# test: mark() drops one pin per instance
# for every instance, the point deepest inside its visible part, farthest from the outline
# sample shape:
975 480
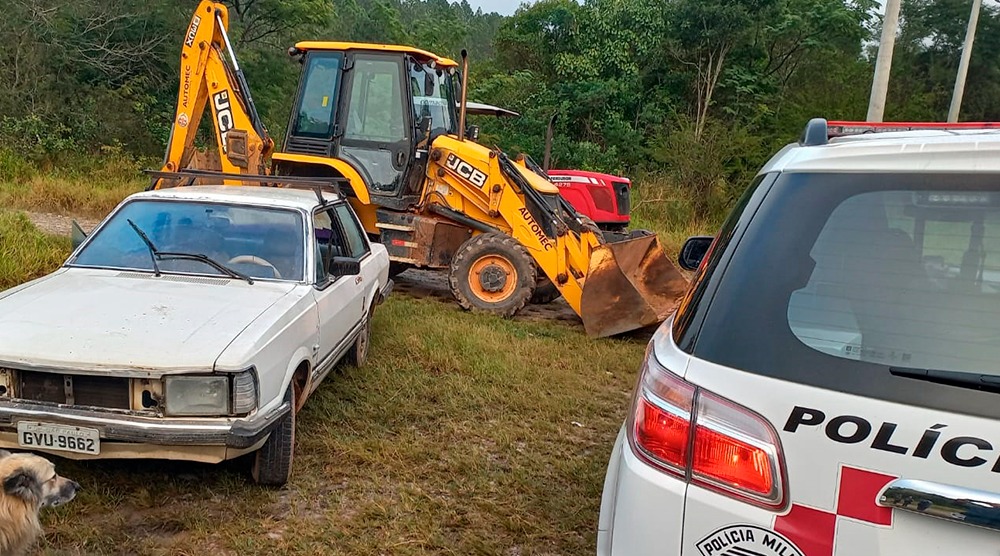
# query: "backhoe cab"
389 121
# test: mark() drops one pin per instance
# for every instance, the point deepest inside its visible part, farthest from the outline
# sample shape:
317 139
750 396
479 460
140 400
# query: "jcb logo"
192 31
465 170
223 115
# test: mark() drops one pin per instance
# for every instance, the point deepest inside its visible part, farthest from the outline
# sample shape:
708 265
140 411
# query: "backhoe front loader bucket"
631 284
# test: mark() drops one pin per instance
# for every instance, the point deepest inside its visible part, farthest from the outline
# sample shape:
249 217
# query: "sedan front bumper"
120 427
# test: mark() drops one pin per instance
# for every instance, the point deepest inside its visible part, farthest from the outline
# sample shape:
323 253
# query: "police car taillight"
705 439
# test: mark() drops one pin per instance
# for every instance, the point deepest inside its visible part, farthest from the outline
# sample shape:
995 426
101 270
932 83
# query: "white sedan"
191 324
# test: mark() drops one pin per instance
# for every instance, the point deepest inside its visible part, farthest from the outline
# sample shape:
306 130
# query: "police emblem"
747 540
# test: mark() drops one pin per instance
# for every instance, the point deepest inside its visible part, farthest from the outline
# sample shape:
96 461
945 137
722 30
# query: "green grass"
25 253
465 434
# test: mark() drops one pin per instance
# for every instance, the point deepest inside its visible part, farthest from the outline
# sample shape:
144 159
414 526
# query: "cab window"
432 97
319 94
376 110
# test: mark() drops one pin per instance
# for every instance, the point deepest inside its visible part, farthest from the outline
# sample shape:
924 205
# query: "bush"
14 167
711 170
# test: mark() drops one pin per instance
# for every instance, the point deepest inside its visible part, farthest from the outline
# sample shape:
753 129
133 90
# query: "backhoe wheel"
545 291
492 273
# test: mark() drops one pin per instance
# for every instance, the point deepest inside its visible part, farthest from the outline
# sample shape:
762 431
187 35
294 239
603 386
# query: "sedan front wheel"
272 463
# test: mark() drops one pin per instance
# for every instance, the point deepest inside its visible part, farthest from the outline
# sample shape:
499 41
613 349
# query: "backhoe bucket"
631 284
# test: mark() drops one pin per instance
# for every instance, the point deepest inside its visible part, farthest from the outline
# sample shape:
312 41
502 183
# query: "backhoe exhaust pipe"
465 90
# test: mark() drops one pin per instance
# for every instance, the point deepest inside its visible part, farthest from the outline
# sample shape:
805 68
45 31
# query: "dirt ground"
434 284
59 225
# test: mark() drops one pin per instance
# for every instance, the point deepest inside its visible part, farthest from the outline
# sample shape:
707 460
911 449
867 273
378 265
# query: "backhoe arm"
242 142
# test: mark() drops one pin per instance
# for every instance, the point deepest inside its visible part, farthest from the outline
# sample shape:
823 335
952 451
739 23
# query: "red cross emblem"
814 530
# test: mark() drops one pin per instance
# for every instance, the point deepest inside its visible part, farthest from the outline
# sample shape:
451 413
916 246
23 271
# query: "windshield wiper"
157 255
172 256
153 253
962 379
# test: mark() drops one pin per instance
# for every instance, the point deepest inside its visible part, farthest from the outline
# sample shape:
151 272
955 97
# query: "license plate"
63 438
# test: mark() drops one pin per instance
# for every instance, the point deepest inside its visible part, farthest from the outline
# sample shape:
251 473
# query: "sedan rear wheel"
358 354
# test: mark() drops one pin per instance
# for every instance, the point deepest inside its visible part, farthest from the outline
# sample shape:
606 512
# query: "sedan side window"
355 235
329 242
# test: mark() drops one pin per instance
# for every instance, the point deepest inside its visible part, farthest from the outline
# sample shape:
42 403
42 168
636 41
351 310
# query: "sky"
503 7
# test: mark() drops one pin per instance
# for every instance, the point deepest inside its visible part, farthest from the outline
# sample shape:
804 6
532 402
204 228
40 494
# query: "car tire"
493 273
272 463
545 291
358 354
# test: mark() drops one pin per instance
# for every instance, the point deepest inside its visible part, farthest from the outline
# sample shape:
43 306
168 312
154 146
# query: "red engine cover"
602 197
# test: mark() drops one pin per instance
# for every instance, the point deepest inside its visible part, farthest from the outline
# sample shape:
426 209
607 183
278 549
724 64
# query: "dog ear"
23 485
4 453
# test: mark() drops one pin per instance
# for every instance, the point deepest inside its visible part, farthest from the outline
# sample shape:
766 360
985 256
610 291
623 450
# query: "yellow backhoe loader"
389 123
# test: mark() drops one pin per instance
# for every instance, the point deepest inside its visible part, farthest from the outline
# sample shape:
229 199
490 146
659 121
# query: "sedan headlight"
211 395
197 395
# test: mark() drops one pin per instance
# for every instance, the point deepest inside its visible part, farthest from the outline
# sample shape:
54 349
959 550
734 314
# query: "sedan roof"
284 197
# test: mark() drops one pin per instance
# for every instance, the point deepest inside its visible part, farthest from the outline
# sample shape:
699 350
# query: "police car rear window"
841 278
906 278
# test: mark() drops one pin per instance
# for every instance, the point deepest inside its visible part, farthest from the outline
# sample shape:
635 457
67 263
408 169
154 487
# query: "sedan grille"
94 391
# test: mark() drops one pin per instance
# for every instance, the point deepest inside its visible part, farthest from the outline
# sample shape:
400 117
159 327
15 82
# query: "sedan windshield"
257 242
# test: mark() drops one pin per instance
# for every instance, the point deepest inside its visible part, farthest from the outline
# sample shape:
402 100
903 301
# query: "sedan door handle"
953 503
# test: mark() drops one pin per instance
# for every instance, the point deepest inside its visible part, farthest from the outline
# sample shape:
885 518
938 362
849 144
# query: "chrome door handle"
952 503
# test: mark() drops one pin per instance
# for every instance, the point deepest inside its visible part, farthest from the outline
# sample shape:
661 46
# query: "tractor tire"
545 291
492 273
590 226
272 463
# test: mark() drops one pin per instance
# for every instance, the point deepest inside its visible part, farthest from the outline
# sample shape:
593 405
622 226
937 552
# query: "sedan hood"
98 320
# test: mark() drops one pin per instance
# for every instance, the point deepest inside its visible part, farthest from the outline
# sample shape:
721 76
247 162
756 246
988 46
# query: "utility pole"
963 64
880 82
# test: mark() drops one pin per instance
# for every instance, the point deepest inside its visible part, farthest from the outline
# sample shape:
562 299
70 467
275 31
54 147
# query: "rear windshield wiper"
157 255
963 379
172 256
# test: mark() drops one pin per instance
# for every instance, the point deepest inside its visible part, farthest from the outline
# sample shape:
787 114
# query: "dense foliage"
700 91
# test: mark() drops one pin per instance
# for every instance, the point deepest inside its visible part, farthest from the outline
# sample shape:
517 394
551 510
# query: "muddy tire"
492 273
545 291
358 354
590 226
272 463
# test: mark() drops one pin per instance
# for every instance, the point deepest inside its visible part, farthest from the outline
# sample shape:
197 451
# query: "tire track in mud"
433 284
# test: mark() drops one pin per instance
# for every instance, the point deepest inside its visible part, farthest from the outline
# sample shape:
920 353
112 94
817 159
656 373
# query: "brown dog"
30 483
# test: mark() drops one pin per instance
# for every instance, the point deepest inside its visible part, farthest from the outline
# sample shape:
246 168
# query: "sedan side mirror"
77 235
694 251
344 266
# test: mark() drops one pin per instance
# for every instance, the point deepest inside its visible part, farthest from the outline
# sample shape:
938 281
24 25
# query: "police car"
830 384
